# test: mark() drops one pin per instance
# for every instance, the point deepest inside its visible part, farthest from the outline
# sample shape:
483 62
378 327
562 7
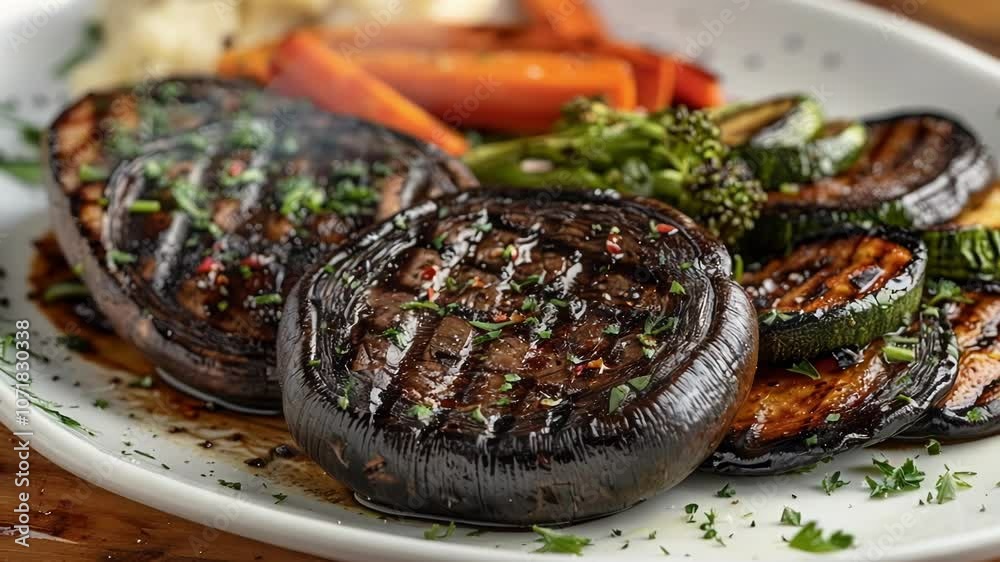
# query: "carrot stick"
697 87
514 91
304 65
570 19
253 62
654 73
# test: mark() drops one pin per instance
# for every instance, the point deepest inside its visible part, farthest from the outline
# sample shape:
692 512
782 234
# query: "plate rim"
171 495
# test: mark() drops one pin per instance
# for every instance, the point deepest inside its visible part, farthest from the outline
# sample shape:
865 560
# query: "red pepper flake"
613 247
428 273
664 228
431 294
477 283
208 265
500 317
236 167
579 369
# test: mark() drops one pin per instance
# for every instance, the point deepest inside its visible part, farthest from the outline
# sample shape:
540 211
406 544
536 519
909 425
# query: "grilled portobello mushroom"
517 357
917 169
841 289
798 414
192 207
972 408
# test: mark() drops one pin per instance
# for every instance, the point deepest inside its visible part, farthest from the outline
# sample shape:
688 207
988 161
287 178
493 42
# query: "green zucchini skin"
919 169
969 412
776 122
836 150
963 253
781 428
788 336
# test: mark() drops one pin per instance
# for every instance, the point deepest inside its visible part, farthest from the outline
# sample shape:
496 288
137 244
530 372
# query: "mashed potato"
153 38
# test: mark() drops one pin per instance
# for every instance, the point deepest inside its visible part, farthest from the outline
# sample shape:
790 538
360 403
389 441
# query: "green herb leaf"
279 498
144 206
231 485
421 305
806 368
810 539
727 491
791 517
895 479
933 447
612 329
677 289
423 413
267 299
90 173
617 396
832 482
439 532
477 415
93 35
487 337
559 542
101 403
27 171
640 383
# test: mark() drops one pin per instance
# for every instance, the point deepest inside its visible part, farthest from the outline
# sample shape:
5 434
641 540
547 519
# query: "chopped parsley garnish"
690 509
144 382
298 192
806 368
503 401
894 479
438 241
529 304
398 337
948 484
143 453
544 334
657 324
946 291
832 418
101 403
144 206
791 517
118 257
558 303
487 337
268 299
553 541
421 305
65 291
617 396
640 383
812 441
772 316
231 485
709 526
90 173
896 354
677 289
421 412
439 532
933 447
612 329
832 482
810 539
490 326
727 491
477 415
975 415
527 282
484 226
279 498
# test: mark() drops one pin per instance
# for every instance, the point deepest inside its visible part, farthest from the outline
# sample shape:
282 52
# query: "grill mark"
976 328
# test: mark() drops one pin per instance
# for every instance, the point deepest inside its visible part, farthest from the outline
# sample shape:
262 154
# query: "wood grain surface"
83 522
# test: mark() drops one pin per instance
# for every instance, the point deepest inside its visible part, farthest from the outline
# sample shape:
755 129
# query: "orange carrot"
514 91
697 87
305 66
570 19
654 73
252 62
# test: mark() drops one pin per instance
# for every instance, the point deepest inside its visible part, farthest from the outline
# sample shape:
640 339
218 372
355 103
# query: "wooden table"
98 525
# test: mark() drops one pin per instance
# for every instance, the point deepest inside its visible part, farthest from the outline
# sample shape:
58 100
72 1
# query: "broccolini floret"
674 155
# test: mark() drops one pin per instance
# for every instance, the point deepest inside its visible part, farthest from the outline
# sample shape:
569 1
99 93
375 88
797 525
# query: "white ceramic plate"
858 60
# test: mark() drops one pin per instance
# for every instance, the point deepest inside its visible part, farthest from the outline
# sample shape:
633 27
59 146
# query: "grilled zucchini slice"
844 289
963 253
838 402
784 121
